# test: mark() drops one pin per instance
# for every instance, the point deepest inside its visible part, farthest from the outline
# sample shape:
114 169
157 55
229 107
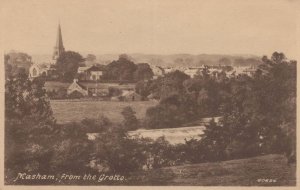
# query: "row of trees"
184 99
120 70
67 65
68 62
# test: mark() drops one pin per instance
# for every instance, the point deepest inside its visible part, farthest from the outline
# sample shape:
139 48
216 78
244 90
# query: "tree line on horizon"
117 70
68 63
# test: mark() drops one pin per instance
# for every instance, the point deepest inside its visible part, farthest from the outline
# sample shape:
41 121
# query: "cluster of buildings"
114 91
94 73
214 71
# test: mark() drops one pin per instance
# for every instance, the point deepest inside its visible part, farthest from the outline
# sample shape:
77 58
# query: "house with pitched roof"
92 73
36 70
157 71
76 87
130 95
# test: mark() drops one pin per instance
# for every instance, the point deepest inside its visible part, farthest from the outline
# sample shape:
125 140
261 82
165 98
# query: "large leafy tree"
121 70
279 103
16 63
130 121
67 65
29 126
143 72
184 99
91 58
171 112
170 84
260 114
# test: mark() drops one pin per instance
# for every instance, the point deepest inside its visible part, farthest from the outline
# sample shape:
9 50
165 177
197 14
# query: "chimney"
75 80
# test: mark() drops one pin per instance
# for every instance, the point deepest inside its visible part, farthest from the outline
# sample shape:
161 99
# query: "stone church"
48 69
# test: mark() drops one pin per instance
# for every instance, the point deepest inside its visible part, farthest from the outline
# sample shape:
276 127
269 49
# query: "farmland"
68 111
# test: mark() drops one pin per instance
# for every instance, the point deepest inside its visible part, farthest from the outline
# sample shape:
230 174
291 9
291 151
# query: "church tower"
59 47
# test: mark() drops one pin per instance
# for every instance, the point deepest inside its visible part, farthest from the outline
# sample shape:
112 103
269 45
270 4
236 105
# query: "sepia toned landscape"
171 105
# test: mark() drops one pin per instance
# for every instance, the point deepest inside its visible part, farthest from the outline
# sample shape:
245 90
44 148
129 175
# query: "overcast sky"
143 26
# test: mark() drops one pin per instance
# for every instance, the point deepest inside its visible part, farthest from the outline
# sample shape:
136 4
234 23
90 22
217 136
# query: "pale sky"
151 26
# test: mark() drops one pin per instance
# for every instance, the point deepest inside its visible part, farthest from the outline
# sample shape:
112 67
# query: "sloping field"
69 111
268 170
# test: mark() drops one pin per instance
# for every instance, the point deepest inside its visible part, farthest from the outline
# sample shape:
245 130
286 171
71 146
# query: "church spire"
59 47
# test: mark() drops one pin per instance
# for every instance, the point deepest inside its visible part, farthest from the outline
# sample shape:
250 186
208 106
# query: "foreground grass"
241 172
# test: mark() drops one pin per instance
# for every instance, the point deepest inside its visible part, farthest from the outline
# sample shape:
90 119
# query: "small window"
34 72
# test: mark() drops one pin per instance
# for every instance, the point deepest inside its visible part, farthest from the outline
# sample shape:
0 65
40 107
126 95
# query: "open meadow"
69 110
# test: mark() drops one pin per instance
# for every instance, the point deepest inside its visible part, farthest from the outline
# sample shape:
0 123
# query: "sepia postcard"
149 94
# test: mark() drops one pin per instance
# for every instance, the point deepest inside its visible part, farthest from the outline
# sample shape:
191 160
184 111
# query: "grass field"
69 111
241 172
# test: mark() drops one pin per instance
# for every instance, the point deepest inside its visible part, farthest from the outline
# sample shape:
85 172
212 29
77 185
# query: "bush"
61 93
112 91
130 121
75 95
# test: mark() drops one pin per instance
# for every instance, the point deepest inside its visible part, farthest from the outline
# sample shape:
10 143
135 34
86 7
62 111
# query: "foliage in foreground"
259 117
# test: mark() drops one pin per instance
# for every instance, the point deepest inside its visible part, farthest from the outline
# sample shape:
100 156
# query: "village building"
97 89
76 87
153 97
157 71
169 69
93 73
249 71
181 68
130 95
241 71
192 72
82 69
48 69
88 89
36 70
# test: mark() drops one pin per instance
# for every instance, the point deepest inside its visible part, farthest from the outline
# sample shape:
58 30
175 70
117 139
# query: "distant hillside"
186 60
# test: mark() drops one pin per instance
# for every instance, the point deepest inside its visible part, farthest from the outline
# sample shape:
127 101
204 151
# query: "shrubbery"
259 117
259 112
